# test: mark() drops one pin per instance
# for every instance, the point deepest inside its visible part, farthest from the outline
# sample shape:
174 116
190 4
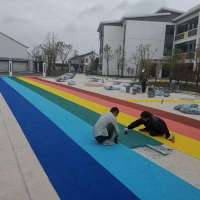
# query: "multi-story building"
187 38
162 31
155 30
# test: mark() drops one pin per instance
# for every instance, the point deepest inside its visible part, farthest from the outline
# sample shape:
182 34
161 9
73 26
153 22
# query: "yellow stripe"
165 101
183 143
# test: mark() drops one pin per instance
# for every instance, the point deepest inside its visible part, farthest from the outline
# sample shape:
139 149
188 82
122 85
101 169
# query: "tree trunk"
54 68
107 68
122 71
197 82
49 65
62 67
197 78
118 70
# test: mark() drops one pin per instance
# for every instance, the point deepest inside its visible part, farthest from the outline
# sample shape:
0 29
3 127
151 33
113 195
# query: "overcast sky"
74 21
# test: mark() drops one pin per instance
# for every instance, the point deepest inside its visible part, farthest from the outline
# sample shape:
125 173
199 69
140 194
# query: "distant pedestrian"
151 92
144 85
143 81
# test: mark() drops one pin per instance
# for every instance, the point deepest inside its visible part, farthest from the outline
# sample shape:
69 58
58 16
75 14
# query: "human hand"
126 131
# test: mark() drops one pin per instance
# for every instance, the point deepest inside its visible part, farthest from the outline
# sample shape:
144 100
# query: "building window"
169 38
86 60
186 47
187 26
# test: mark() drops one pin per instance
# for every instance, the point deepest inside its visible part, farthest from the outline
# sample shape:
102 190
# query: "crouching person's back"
106 130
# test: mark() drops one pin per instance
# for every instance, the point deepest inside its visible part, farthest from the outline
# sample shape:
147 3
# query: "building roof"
3 34
146 16
83 55
165 9
89 53
163 15
189 12
13 59
110 23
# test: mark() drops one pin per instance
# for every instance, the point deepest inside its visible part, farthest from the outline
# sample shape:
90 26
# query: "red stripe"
174 125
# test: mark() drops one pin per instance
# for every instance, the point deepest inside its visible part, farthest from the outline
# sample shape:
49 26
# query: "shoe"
172 138
108 143
126 131
116 140
143 130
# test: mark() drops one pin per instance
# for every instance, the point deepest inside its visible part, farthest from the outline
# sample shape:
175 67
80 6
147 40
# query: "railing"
192 32
185 56
179 36
187 34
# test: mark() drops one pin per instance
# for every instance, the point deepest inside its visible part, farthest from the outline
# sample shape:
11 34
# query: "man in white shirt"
106 129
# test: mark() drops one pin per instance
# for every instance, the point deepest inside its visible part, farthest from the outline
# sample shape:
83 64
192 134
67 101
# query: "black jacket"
154 125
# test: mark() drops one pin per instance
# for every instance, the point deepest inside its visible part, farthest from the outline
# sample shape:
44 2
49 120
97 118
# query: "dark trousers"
144 87
158 133
101 139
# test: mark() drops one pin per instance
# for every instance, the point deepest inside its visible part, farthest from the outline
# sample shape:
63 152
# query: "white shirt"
103 122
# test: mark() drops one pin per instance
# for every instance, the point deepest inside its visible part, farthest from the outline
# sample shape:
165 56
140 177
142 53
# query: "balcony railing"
187 34
192 32
179 36
185 56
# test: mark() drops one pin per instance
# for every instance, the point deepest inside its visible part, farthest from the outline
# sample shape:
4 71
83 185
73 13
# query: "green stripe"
132 140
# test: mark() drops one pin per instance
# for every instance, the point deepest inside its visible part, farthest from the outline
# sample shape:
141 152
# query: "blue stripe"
74 174
142 177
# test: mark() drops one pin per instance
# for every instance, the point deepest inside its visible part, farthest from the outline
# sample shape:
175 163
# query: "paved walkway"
82 83
184 166
181 165
22 177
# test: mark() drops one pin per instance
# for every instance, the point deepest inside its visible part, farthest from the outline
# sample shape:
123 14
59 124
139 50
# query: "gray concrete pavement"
22 176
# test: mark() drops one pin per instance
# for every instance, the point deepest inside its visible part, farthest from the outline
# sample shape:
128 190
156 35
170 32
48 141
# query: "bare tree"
64 51
181 72
135 60
75 61
176 62
92 57
171 64
50 50
119 59
142 59
37 57
75 53
108 55
36 53
94 64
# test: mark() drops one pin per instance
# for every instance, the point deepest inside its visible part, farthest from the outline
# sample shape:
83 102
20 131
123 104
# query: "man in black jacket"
154 125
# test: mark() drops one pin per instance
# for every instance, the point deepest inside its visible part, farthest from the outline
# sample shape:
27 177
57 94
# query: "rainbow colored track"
187 136
75 165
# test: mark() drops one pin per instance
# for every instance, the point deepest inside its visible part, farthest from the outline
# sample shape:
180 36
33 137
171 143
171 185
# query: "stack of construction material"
193 109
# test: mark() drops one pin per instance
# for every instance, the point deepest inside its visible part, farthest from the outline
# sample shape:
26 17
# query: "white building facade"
12 51
155 31
187 37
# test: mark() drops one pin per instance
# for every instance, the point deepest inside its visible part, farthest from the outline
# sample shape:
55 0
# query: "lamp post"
44 69
10 65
